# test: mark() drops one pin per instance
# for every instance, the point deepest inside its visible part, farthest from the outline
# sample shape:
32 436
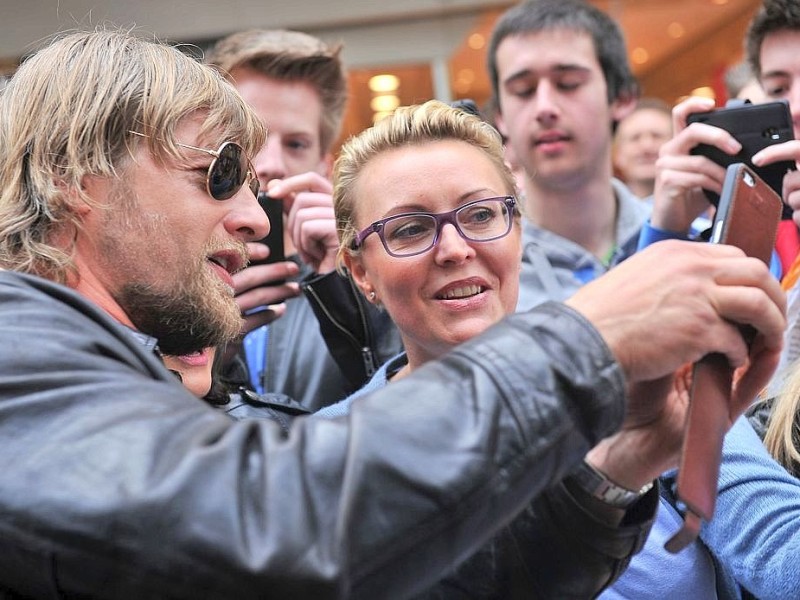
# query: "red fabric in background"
787 246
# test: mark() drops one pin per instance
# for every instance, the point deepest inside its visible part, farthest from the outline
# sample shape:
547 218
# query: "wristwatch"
601 487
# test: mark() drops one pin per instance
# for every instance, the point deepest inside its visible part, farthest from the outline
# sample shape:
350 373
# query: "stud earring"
372 296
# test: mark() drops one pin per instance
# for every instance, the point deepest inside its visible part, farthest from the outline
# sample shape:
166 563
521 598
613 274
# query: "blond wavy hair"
70 112
782 437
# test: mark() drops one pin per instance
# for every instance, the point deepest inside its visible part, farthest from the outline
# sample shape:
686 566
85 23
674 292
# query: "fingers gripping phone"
274 239
747 217
755 126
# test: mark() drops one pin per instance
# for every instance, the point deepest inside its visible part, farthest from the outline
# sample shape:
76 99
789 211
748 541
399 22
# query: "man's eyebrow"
774 73
569 67
558 69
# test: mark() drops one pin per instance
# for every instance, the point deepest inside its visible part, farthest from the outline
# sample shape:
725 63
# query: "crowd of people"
464 381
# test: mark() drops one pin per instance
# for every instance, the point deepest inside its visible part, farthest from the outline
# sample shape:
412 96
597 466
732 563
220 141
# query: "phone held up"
274 239
748 216
755 126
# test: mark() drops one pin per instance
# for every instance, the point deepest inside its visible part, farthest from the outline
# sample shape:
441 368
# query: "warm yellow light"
384 103
384 83
466 76
462 88
378 116
705 92
639 56
719 2
476 41
675 30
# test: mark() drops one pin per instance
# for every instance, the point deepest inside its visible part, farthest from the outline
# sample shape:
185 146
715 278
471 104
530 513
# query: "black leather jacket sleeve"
117 483
555 548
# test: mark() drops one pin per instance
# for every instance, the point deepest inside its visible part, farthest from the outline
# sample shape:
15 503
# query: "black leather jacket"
117 483
359 336
326 345
516 563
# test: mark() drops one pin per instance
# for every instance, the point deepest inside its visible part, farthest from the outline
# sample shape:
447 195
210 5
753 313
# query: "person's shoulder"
15 285
42 307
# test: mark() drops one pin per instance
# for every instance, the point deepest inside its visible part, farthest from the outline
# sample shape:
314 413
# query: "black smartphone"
274 239
748 216
755 126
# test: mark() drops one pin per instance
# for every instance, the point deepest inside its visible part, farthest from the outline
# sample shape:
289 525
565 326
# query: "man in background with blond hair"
297 85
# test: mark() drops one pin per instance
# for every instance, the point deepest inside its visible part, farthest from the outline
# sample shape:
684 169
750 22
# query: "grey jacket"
117 483
553 267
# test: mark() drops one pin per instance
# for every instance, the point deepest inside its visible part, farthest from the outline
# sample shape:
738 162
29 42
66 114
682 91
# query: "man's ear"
79 198
500 124
326 165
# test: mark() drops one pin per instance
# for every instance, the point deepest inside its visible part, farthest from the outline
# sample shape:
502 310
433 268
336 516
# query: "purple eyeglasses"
410 234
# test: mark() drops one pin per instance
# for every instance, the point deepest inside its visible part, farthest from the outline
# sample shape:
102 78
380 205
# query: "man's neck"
89 286
641 188
585 214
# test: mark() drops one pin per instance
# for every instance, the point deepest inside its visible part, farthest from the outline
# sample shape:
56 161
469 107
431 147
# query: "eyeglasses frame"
441 220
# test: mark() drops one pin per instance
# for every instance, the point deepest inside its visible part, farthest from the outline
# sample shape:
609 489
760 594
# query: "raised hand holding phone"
755 126
747 217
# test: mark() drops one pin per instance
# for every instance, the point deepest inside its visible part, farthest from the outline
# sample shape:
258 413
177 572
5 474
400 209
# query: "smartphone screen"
755 127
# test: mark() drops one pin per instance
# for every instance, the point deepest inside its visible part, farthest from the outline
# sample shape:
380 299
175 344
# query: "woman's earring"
372 296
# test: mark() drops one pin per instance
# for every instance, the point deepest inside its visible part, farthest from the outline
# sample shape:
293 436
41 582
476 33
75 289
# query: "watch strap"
598 485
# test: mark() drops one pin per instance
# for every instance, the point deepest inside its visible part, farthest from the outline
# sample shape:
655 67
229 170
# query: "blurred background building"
408 51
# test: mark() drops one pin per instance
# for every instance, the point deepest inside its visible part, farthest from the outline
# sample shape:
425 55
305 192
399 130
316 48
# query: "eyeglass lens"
483 220
228 172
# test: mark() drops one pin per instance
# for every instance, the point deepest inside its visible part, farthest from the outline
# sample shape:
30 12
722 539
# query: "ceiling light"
379 116
639 56
476 41
466 76
384 83
384 103
675 30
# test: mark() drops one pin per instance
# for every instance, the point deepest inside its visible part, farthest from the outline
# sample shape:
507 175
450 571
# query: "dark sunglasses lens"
227 173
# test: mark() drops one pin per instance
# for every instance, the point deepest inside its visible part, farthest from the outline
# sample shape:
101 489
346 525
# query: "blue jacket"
753 539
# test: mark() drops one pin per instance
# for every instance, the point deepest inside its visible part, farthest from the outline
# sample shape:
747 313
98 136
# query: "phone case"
747 217
755 126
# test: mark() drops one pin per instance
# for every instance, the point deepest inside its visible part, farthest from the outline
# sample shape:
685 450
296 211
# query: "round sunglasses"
228 172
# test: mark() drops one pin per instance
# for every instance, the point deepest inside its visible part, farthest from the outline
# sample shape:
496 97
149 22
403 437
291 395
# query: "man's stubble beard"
194 310
184 318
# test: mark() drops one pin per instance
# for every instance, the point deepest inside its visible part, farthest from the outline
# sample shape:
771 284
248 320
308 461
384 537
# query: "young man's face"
292 111
159 247
780 71
554 108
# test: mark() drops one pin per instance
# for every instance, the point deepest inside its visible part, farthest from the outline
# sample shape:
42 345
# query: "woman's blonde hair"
70 111
782 437
412 125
